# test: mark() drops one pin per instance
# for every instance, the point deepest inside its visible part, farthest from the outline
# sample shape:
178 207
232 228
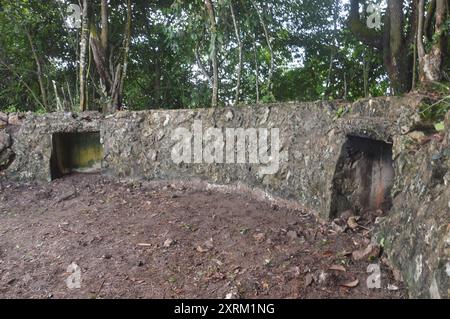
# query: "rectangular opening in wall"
364 177
76 153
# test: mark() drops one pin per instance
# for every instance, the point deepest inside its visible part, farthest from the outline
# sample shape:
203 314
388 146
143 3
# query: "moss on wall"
76 152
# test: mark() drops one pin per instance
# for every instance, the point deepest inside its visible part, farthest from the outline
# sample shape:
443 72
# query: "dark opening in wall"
364 177
75 152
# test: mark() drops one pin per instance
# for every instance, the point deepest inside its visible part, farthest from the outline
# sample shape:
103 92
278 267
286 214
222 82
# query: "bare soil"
143 240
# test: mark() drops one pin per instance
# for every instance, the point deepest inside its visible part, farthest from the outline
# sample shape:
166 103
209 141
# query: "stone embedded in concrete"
5 141
417 227
6 154
15 119
3 120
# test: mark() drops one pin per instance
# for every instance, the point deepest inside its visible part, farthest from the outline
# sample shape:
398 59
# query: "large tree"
395 40
432 31
111 63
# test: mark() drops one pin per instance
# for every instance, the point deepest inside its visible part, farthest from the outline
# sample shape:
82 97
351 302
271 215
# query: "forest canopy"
126 54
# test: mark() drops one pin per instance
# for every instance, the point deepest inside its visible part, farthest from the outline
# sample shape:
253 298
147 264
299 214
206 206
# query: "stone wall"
416 233
313 139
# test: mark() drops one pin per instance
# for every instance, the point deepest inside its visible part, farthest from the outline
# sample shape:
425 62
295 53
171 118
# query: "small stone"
168 243
14 119
392 287
417 136
309 279
3 117
260 237
292 235
323 277
5 141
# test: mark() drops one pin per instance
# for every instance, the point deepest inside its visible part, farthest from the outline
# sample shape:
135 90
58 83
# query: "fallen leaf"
338 268
168 243
371 251
309 280
353 223
352 284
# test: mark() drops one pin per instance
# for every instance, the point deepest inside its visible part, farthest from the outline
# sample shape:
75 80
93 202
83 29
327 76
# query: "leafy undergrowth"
437 104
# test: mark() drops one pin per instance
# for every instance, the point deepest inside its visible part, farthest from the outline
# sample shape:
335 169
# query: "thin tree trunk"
20 79
428 25
127 48
213 53
269 45
202 67
414 79
430 63
38 72
69 92
255 50
330 70
59 106
345 86
241 54
105 25
83 54
394 42
366 76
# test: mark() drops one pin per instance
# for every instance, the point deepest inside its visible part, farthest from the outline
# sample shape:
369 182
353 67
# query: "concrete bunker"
75 153
363 178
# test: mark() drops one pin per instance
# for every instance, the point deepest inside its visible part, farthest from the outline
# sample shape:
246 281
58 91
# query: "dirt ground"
141 240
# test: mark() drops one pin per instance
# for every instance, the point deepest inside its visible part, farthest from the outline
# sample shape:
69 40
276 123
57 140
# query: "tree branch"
360 30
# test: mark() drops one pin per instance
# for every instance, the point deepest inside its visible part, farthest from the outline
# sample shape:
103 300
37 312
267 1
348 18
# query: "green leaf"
439 126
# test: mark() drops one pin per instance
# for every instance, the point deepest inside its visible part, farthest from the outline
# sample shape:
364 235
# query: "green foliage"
316 57
437 109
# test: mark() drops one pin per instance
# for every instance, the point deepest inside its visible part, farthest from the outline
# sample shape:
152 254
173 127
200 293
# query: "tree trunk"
431 62
241 55
269 45
83 54
366 76
39 73
213 52
393 42
127 48
105 25
255 50
202 66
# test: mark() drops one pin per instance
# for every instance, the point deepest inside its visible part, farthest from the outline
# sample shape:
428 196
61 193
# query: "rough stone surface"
6 154
32 142
3 120
138 145
416 233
